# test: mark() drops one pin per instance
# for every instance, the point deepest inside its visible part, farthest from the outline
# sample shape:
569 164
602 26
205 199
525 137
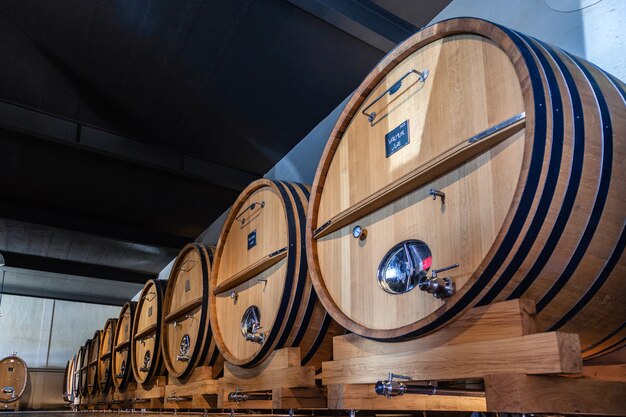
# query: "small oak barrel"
78 383
473 165
187 340
68 380
83 388
93 360
13 378
262 298
122 347
147 358
105 380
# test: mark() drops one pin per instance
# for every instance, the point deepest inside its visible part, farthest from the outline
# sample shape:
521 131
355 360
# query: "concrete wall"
46 333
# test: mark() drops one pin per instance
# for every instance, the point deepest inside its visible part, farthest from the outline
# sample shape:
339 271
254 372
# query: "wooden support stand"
150 398
12 406
123 399
198 392
497 344
291 385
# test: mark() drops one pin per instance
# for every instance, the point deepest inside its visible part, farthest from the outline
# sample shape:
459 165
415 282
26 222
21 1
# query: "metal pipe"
395 389
239 396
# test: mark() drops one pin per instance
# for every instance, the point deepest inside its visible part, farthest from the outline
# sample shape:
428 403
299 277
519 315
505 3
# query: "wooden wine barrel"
92 367
526 144
78 383
68 380
122 347
84 365
262 296
187 340
13 378
105 380
147 360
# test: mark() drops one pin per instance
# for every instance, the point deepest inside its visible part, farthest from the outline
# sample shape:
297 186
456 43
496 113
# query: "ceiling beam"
37 215
362 19
70 132
64 296
60 266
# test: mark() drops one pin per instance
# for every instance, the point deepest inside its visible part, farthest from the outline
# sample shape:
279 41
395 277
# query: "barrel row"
437 191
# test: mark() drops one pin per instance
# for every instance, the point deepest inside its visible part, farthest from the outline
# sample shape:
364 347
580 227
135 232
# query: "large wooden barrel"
262 298
78 383
83 388
187 340
122 347
526 144
147 359
13 378
68 380
93 361
105 380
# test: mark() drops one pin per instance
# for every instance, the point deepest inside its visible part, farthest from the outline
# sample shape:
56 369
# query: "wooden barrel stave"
84 365
121 373
188 285
105 381
547 175
92 363
77 372
147 358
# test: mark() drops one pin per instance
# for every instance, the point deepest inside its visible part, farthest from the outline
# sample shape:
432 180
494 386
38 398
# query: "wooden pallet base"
290 384
363 397
150 398
515 393
198 392
523 371
123 399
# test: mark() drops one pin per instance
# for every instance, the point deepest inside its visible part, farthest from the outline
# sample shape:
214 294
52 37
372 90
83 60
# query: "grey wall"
45 332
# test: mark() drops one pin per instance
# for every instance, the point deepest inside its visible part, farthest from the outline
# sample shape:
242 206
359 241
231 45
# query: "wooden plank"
251 271
606 372
201 373
192 388
156 391
514 393
363 397
541 353
298 398
185 308
441 164
491 322
279 359
296 376
146 331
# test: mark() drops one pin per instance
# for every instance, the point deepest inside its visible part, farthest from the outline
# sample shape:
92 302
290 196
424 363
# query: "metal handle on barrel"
423 75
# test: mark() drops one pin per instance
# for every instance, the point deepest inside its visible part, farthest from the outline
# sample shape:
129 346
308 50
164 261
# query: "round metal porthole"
404 266
251 321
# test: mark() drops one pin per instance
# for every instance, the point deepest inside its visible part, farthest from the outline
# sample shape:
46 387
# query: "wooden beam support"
515 393
542 353
363 397
491 322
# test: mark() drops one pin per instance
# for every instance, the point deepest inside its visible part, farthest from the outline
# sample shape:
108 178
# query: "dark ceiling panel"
66 184
235 82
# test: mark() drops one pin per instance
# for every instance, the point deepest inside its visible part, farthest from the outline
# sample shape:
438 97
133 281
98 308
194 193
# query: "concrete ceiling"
126 128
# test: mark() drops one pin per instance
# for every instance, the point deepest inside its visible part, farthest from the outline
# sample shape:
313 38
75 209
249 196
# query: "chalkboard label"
252 239
397 139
